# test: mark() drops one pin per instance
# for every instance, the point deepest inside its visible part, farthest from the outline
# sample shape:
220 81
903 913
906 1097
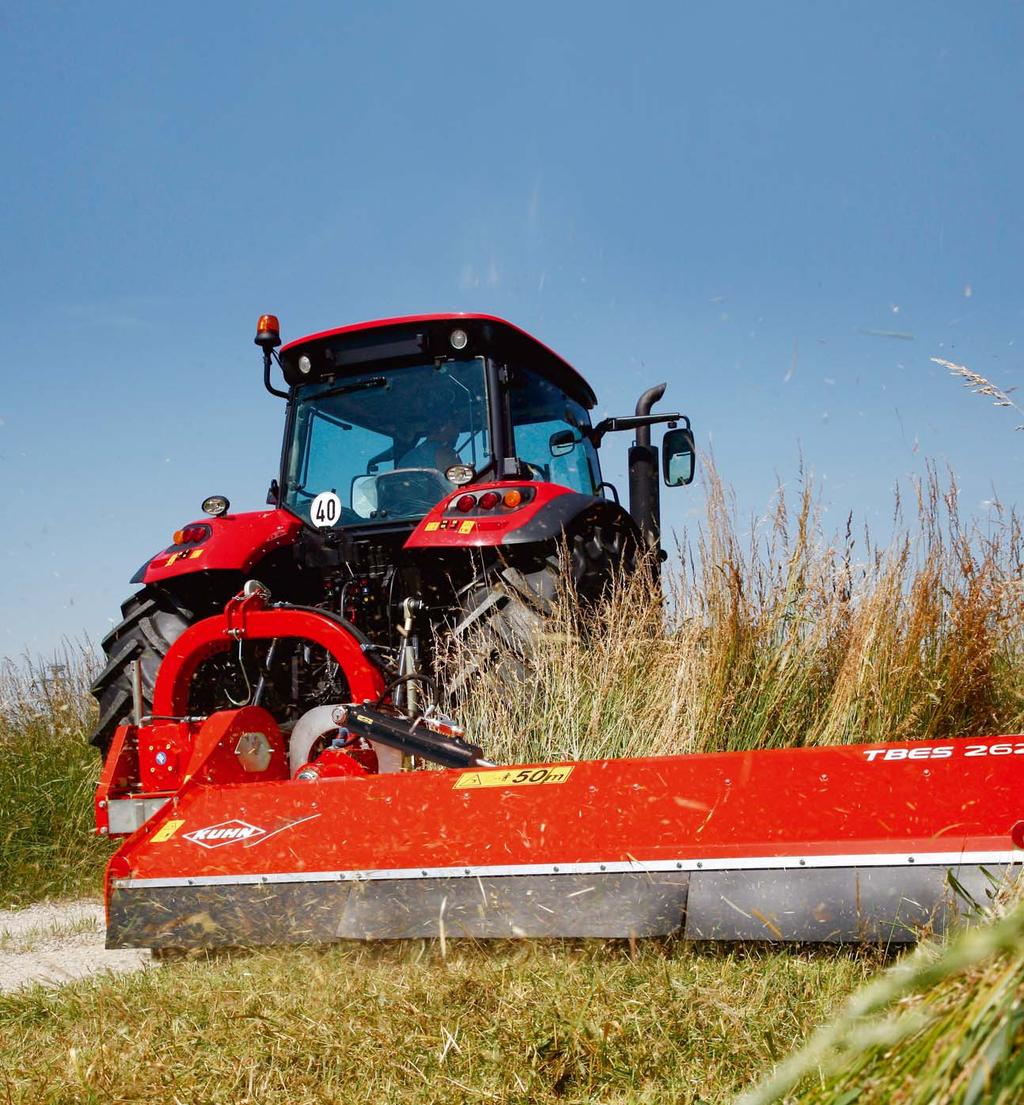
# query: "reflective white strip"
747 863
125 815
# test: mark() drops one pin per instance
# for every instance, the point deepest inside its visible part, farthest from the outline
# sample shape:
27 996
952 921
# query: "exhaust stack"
644 489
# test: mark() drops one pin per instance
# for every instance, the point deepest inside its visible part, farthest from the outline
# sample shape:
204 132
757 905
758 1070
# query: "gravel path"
57 942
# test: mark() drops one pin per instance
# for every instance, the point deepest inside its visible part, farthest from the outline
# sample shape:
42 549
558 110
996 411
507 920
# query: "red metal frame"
899 803
251 619
158 759
912 810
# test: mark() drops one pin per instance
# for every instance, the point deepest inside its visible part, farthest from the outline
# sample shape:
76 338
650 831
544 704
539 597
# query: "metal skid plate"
125 815
487 907
834 905
887 905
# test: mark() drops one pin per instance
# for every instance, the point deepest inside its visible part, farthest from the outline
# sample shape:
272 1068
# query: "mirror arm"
267 355
612 488
631 422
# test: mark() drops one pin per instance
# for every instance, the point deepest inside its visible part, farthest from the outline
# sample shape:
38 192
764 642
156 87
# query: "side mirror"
563 442
364 495
678 457
273 494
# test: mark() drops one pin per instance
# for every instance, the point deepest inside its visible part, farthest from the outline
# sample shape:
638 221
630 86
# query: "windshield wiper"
361 385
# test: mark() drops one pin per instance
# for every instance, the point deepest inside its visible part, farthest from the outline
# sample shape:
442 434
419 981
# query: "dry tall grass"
787 637
47 775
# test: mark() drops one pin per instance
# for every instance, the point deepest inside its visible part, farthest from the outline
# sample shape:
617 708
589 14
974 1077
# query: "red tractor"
438 473
271 680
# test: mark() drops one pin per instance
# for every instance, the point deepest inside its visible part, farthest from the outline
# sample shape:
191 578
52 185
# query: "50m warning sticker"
513 777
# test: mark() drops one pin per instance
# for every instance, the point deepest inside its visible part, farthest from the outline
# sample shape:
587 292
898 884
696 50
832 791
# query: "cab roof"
349 350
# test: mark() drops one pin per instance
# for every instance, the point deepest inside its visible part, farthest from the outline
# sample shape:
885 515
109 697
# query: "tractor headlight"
305 365
459 474
216 505
459 339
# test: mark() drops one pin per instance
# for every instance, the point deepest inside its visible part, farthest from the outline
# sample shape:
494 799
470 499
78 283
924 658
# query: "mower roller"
278 758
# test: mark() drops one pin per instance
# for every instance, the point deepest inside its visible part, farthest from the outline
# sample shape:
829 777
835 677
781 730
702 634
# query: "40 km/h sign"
325 510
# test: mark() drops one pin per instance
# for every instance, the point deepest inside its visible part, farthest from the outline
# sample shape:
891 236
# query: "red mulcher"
275 678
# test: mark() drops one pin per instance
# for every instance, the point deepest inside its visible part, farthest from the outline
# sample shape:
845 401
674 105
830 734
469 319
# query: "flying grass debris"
980 385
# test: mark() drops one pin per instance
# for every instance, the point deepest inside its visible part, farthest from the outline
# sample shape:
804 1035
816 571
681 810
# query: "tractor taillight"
191 535
465 503
512 498
489 500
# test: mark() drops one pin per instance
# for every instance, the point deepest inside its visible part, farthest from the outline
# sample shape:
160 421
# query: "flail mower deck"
246 837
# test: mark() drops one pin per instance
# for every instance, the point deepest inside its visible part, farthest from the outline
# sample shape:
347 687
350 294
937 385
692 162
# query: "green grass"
943 1027
524 1022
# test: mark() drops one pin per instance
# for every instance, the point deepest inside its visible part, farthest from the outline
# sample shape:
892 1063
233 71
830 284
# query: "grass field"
508 1022
787 636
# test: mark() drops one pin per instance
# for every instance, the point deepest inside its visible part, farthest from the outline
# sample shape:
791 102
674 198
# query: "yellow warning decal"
466 527
166 831
513 777
431 526
185 554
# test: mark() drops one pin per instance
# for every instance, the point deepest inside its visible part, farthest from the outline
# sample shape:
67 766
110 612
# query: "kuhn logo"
227 832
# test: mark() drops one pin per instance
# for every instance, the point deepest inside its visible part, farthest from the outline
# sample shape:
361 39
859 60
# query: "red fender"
235 542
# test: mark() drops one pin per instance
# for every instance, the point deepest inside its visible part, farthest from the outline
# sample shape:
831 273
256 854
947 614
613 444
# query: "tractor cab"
386 419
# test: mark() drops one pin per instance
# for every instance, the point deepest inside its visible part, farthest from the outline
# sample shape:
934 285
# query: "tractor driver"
404 493
437 449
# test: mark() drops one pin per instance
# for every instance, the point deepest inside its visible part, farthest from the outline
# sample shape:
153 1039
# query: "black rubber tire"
151 621
504 610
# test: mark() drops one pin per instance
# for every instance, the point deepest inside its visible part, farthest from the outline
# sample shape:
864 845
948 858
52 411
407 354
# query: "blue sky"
747 200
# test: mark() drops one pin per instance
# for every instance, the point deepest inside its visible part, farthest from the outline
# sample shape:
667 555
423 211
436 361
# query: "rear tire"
152 620
503 614
505 610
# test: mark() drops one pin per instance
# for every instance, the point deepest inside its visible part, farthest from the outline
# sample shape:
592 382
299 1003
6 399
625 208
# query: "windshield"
375 447
540 410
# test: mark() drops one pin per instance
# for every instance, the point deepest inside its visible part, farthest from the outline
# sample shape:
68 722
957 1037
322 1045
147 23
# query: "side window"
540 410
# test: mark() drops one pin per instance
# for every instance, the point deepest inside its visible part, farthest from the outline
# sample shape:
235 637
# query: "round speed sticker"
325 510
